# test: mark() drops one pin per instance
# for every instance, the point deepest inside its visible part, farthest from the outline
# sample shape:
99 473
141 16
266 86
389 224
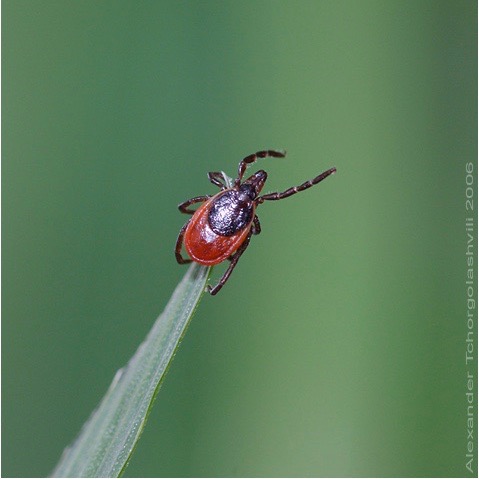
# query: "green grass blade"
106 441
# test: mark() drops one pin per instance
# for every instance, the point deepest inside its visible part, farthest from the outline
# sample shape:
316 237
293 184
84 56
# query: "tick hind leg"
179 244
255 230
296 189
234 260
255 156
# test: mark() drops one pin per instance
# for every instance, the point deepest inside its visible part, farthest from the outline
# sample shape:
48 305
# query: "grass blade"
106 441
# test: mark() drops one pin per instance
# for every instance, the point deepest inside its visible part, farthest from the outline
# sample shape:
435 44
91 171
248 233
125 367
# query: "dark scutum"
230 213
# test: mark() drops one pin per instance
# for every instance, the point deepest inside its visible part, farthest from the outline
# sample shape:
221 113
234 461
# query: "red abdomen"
206 247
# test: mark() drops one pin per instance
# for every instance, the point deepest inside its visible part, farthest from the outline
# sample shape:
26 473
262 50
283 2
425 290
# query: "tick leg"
198 199
234 260
296 189
256 228
217 178
179 244
255 156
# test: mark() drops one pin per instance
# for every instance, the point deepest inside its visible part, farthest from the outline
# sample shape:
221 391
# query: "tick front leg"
217 178
179 244
295 189
255 156
198 199
234 260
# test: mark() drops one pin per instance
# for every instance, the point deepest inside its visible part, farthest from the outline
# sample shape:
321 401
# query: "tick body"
218 228
221 228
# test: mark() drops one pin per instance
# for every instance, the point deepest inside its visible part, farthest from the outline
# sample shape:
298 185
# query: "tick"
221 228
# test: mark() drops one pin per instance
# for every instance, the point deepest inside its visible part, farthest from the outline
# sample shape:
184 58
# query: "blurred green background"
337 347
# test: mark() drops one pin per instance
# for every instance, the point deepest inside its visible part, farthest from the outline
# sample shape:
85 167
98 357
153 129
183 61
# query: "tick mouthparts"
257 181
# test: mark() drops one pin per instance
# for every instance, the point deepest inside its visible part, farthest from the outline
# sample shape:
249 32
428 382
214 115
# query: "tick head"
254 184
